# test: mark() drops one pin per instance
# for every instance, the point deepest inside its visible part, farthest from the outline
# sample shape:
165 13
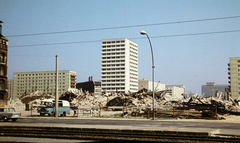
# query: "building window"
2 71
2 85
2 58
4 45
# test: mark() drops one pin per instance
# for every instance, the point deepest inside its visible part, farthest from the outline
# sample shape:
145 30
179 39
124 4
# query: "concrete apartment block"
234 76
119 65
30 82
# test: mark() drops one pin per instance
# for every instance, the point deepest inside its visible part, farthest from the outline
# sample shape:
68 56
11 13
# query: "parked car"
7 113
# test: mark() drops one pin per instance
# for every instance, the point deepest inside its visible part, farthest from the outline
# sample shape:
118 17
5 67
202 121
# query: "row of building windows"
109 42
113 50
133 70
133 59
39 87
117 61
21 92
113 76
134 53
131 77
122 88
133 66
40 74
133 63
113 73
113 65
118 57
112 69
135 81
122 84
52 77
133 74
113 53
40 81
109 46
118 80
133 56
32 84
131 44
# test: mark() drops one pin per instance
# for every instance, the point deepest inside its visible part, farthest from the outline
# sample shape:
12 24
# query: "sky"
192 40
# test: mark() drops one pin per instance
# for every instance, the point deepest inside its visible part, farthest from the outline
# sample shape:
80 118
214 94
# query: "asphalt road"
138 123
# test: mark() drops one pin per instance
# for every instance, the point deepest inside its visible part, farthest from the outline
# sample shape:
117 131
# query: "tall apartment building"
29 82
234 76
119 65
3 67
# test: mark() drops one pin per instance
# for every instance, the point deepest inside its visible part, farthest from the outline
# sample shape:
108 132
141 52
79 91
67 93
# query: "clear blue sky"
190 60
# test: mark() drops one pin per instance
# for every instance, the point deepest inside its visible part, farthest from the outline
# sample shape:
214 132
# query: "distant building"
90 86
176 90
210 89
145 83
234 77
29 82
119 65
3 68
10 88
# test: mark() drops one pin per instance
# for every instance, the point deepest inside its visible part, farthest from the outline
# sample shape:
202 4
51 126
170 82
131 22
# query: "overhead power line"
193 34
177 35
131 26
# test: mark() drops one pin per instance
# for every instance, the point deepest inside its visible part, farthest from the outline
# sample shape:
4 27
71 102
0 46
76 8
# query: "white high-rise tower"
119 65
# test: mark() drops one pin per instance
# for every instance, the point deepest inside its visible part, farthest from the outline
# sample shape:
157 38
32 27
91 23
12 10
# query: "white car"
7 113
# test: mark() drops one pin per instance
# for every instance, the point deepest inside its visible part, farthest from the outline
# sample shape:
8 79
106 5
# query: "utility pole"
56 98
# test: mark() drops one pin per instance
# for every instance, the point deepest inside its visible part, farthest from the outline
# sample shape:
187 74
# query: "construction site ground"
117 115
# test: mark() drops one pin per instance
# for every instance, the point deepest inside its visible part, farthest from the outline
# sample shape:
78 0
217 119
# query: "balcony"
229 69
229 82
229 77
228 73
228 64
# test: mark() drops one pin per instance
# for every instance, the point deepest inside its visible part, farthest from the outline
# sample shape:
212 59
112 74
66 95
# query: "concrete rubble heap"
142 99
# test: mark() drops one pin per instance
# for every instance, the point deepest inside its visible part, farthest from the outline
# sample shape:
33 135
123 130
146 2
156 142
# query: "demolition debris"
140 104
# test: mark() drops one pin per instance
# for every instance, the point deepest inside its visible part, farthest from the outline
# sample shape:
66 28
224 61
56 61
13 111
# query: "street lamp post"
144 33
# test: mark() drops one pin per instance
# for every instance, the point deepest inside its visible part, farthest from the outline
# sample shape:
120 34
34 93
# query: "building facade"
234 76
176 91
90 86
30 82
10 88
119 65
210 89
145 83
3 67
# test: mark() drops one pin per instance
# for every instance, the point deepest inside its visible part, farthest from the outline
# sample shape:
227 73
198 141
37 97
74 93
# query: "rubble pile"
16 104
34 99
142 99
